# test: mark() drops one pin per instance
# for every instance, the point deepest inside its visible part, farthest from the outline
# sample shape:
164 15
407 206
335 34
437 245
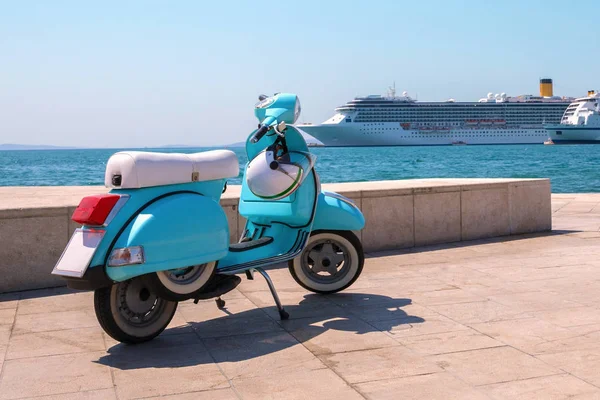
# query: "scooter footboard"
177 231
336 212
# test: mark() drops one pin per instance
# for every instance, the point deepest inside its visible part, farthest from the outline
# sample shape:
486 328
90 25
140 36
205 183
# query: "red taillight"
93 210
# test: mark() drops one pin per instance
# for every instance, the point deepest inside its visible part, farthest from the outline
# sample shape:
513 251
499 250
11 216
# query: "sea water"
571 168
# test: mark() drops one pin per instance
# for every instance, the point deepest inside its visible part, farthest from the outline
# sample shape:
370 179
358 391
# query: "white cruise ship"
402 121
580 122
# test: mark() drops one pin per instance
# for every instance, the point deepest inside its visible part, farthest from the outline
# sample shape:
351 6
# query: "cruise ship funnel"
546 87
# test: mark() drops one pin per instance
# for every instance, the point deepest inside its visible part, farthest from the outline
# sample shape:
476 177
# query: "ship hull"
562 134
390 134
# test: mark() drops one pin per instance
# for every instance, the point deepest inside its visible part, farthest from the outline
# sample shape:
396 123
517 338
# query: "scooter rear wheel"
131 312
183 283
330 262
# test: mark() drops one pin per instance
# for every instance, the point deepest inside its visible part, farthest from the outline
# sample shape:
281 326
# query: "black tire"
158 281
110 304
347 242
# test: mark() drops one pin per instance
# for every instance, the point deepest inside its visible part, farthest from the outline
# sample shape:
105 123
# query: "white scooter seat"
138 169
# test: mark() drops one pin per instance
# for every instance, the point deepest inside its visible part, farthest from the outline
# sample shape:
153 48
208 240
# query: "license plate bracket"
76 257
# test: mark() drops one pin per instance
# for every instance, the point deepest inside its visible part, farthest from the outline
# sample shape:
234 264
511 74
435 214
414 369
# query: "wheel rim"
138 306
326 261
185 276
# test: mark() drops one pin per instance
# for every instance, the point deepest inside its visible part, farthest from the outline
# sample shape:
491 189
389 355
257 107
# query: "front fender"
177 231
336 212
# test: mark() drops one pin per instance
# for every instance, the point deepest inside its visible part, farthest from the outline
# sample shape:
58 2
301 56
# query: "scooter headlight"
297 110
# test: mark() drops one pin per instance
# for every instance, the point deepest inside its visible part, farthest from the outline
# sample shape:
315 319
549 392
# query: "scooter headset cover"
274 177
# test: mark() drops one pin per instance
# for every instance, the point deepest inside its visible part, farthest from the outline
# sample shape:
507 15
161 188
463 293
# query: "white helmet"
274 178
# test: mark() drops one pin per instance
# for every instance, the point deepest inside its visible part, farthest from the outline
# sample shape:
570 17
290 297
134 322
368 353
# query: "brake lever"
280 129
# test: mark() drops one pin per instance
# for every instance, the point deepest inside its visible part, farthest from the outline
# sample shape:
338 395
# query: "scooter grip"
259 133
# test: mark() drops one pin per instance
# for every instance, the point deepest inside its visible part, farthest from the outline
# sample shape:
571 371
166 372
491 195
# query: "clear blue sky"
148 73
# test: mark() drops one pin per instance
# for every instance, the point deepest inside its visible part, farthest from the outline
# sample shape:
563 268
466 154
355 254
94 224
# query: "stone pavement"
512 318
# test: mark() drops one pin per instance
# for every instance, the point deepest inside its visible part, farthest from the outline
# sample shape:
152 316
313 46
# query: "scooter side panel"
336 212
177 231
138 199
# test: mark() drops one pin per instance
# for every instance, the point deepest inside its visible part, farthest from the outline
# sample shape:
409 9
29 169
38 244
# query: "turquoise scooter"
160 235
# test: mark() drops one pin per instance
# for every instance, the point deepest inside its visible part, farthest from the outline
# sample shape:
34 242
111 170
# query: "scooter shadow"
254 333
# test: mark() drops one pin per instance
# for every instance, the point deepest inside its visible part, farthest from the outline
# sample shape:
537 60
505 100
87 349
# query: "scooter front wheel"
131 312
330 262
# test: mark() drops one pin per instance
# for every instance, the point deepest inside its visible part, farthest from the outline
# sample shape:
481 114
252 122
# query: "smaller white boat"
580 122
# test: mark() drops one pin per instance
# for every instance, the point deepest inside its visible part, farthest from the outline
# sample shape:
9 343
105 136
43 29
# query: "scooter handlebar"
259 133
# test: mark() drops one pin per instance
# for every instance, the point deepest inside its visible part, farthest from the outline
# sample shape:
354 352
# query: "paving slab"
301 385
5 331
533 301
337 335
449 342
417 326
68 341
270 353
503 318
557 387
582 363
253 321
448 296
585 337
104 394
171 365
53 375
377 364
440 386
479 311
530 335
55 321
7 316
591 329
2 355
219 394
62 301
493 365
386 309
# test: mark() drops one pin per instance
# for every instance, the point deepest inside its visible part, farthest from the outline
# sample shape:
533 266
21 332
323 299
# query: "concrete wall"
35 222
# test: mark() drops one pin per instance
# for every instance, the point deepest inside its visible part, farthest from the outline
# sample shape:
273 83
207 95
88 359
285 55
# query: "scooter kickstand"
283 315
